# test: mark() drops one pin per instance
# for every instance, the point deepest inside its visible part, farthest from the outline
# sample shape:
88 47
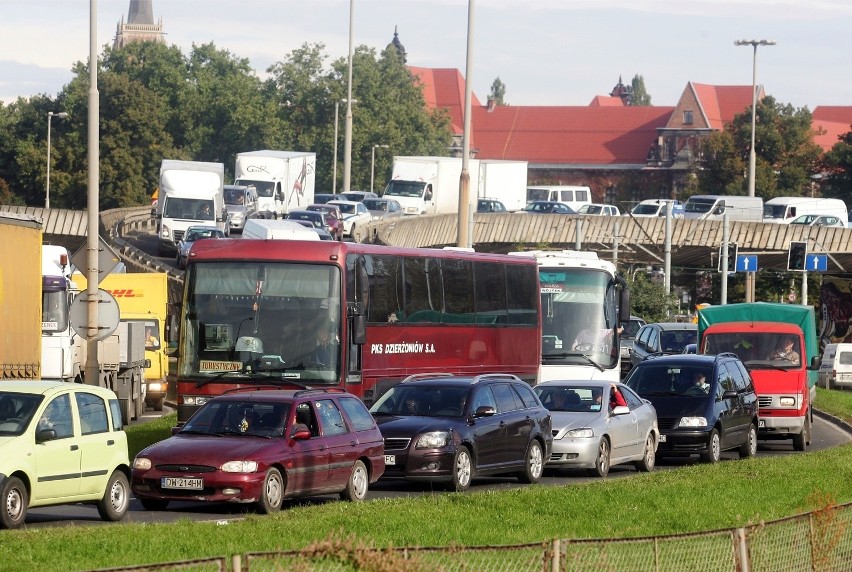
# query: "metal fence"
817 541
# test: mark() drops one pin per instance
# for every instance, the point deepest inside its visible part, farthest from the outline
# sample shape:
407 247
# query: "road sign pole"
805 288
725 236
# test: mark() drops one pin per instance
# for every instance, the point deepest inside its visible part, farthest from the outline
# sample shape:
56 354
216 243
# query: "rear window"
845 358
357 413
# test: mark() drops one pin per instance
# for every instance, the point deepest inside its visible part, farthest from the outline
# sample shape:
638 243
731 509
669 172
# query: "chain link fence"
819 541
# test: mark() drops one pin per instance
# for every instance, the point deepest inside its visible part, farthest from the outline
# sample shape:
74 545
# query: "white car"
354 214
61 443
599 210
818 220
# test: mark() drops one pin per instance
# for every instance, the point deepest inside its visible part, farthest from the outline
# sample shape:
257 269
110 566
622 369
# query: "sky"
546 52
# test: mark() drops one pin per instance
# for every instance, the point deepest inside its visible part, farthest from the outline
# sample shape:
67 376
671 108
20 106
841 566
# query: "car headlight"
155 387
787 401
142 463
583 432
239 467
195 400
433 440
692 422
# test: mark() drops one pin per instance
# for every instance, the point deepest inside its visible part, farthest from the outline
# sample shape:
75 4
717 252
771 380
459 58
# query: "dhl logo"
126 293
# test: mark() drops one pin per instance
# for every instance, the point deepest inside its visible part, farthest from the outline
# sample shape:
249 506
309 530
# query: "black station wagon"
453 429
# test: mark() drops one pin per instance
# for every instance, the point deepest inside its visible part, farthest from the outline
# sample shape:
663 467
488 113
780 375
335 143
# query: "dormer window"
687 117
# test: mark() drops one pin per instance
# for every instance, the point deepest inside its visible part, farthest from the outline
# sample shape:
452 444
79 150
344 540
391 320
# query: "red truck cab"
776 356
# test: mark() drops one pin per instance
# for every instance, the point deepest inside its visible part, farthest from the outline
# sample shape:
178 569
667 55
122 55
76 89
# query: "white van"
573 196
278 229
713 207
785 209
835 371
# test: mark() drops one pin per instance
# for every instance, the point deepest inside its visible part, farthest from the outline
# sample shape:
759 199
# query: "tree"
639 95
837 164
787 157
649 299
498 92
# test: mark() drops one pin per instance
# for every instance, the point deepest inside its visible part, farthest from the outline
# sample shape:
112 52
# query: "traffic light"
732 258
796 255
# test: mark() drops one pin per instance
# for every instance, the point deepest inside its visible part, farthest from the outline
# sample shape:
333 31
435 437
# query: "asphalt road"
824 436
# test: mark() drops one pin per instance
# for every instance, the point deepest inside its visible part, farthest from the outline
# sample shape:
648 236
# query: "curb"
833 419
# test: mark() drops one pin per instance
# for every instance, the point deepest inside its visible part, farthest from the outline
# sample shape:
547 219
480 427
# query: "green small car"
61 443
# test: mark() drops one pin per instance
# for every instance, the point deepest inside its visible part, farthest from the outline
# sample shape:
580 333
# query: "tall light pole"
347 151
465 221
50 115
752 157
373 163
336 107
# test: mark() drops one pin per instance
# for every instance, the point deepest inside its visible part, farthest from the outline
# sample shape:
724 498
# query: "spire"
397 45
141 12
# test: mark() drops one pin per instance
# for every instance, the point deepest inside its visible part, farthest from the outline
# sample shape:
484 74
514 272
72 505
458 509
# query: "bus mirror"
359 330
363 285
624 305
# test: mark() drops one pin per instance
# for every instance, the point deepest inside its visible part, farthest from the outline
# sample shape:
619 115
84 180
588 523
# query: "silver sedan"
598 424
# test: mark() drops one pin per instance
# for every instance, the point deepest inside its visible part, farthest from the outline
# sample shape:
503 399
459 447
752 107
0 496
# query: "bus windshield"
578 316
261 321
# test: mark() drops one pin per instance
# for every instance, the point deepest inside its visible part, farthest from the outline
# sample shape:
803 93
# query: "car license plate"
390 459
182 483
662 438
761 423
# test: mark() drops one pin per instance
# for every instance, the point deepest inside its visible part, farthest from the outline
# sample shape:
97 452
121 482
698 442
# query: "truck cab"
777 357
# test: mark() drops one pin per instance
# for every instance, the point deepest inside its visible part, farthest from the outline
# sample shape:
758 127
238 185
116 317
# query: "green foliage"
786 155
156 103
498 92
838 164
649 300
639 94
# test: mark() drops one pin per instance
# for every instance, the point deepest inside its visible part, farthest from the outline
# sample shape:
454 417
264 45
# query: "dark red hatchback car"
262 447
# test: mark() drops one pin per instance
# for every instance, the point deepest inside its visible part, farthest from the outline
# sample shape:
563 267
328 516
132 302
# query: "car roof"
593 383
675 325
345 202
686 359
450 380
45 387
201 227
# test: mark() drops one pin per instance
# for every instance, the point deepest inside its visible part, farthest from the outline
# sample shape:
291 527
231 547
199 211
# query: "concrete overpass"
627 240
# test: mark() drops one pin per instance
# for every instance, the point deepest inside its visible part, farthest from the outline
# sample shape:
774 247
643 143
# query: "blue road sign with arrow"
816 262
747 263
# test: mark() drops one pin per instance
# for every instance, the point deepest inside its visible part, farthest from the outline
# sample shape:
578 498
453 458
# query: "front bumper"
774 426
218 486
684 442
425 465
574 452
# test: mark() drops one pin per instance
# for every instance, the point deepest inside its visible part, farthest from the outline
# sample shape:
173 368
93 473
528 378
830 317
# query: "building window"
687 117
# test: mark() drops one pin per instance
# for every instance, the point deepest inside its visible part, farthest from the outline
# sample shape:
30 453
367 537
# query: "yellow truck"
144 297
20 297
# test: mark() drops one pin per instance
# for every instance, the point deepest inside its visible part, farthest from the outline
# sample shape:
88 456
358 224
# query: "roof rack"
416 376
488 376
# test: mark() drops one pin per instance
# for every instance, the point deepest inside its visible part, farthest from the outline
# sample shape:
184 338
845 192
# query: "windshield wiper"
574 354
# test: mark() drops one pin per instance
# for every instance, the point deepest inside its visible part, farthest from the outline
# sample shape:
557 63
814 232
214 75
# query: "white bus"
582 302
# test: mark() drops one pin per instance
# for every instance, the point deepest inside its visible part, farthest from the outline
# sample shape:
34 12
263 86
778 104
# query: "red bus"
357 316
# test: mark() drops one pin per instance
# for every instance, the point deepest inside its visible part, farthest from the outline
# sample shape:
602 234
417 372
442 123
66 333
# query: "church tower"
140 26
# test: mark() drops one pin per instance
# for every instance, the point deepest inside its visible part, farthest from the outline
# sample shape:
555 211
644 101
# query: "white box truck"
430 185
284 180
505 181
191 193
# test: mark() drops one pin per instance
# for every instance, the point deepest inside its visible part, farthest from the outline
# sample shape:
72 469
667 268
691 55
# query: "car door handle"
110 442
353 443
74 447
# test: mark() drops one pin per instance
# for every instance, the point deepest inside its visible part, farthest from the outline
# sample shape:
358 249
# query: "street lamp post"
336 112
373 163
347 146
50 115
752 157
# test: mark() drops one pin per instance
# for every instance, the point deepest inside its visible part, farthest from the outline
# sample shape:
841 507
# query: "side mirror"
43 435
485 411
620 410
300 432
730 394
815 363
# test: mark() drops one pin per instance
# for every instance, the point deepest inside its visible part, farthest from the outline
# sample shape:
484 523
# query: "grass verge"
690 498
